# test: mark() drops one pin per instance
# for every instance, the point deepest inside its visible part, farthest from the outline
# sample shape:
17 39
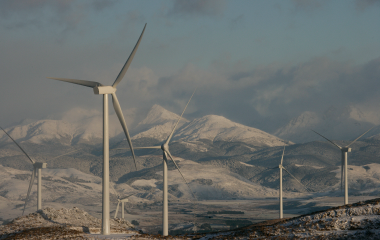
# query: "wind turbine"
122 201
37 166
344 151
280 190
165 152
99 89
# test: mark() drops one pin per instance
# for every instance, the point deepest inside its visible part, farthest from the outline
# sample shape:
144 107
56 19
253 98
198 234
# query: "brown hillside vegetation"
353 221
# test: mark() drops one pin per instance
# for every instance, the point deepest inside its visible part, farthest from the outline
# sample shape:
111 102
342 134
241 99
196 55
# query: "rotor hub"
165 147
104 90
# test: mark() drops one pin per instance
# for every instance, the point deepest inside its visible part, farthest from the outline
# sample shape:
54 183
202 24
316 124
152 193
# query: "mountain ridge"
157 124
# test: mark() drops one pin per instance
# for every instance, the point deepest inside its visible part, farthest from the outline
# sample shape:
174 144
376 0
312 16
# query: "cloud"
237 21
365 4
42 14
197 8
309 5
265 97
269 97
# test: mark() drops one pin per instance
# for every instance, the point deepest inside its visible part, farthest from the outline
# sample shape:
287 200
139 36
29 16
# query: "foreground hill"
50 223
354 221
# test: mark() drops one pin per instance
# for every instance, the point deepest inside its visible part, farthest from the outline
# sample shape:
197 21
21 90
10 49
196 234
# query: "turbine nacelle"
39 165
123 200
104 90
280 166
346 149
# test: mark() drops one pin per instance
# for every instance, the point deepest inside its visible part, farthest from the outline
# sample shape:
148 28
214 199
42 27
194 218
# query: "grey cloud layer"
267 96
197 7
364 4
264 97
66 14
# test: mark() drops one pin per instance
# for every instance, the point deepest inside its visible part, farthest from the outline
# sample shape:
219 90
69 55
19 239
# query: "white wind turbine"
98 89
344 151
280 190
122 201
37 166
165 152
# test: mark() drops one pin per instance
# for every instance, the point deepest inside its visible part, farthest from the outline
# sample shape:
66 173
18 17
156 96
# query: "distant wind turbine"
37 166
344 151
165 152
280 190
122 201
105 90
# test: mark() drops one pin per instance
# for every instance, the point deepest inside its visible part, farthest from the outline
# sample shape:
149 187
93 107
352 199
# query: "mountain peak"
219 128
158 114
158 123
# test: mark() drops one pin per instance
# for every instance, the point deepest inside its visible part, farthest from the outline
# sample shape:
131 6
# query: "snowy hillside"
71 186
207 182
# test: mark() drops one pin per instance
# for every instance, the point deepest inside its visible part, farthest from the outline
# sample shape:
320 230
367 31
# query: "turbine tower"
280 190
165 152
100 89
344 151
37 166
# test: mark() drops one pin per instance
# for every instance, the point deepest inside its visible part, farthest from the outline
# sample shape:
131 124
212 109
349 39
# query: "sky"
259 63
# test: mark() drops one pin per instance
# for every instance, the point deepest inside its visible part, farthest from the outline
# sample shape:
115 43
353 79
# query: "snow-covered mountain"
85 126
75 126
42 130
343 124
218 128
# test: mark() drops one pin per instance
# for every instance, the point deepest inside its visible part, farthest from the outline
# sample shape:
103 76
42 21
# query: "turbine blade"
117 195
128 196
117 209
64 154
181 174
360 136
18 146
30 188
152 147
119 113
79 82
171 134
328 140
296 179
128 62
282 158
